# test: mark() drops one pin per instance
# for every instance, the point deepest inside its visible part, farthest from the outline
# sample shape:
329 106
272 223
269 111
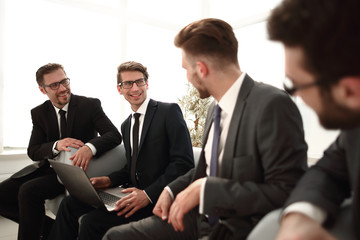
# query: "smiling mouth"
65 94
135 95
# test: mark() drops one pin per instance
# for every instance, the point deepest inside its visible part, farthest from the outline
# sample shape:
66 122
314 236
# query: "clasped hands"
184 202
128 205
82 157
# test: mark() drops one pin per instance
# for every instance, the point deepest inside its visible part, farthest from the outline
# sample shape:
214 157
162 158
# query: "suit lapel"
127 125
150 111
232 137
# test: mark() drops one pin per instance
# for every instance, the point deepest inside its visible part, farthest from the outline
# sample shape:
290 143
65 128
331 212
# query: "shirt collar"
65 108
143 107
228 101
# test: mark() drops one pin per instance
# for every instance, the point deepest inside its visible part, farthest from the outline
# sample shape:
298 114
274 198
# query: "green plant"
194 109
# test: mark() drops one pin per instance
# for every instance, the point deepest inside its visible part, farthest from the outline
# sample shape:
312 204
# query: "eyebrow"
134 80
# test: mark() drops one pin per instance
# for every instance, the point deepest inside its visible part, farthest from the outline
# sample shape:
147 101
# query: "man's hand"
184 202
297 226
82 157
100 182
163 205
130 204
63 144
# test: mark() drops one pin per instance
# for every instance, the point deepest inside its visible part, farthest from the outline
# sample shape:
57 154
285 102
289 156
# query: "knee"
110 234
27 192
121 232
87 222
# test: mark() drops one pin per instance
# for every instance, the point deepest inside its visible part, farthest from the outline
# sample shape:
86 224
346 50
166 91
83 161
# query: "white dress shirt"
65 108
227 104
142 110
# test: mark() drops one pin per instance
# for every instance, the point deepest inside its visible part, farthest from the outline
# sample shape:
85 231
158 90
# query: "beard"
335 116
202 91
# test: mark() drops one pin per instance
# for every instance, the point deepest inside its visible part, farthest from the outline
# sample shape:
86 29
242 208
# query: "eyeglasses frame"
65 82
137 82
291 90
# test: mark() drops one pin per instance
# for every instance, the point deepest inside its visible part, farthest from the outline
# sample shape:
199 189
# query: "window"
90 38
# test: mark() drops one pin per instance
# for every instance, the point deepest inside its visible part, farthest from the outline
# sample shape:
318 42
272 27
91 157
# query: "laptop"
79 186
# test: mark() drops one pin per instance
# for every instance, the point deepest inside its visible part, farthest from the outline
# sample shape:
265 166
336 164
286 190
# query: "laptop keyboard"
108 198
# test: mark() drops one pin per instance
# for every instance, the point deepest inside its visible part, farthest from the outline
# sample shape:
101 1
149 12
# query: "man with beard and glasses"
322 55
22 196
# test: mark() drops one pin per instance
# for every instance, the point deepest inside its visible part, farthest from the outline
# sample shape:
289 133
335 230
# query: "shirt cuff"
170 192
54 151
308 209
202 197
92 148
148 196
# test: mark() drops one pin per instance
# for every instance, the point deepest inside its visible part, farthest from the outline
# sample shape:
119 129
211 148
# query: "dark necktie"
214 153
215 144
62 123
135 148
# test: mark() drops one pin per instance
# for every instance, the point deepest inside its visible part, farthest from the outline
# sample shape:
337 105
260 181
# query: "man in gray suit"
261 149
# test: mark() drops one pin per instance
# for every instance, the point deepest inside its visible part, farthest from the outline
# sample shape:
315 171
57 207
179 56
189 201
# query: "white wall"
91 38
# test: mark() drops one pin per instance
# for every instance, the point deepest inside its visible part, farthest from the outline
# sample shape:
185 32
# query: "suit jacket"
164 153
85 120
335 177
264 156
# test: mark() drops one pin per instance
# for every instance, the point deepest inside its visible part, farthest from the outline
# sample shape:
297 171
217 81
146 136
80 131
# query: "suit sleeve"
109 134
181 158
326 184
40 146
279 157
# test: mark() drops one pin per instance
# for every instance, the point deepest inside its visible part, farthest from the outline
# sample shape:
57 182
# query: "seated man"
157 152
22 196
253 151
322 55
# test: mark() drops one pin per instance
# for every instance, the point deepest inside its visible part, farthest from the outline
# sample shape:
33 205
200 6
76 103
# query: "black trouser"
22 200
94 222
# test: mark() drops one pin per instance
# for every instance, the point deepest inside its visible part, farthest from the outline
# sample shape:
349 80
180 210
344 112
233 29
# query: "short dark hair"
132 66
328 32
48 68
209 37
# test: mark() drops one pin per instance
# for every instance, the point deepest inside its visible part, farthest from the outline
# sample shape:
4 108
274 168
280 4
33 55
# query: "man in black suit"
261 152
164 153
22 196
322 54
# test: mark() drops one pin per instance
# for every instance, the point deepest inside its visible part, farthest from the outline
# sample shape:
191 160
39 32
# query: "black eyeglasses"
56 85
291 89
129 84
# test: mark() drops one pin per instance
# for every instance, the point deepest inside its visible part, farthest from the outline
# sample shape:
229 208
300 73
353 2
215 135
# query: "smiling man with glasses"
65 120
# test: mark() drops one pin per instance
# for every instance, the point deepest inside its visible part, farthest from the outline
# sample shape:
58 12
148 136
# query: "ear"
42 90
347 92
119 89
202 69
